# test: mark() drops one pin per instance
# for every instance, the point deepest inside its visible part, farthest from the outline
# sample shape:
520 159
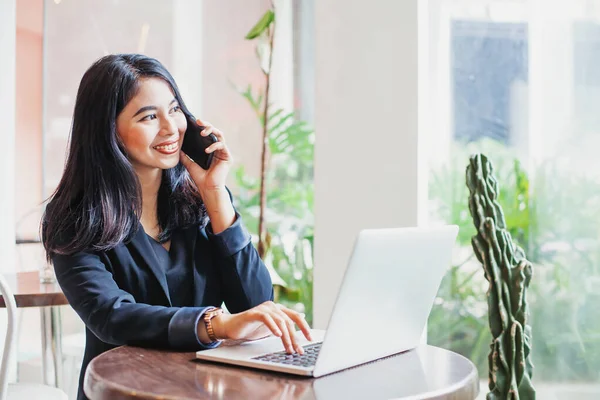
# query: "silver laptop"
381 309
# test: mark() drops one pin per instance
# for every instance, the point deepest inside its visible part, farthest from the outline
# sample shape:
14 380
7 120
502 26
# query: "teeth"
169 147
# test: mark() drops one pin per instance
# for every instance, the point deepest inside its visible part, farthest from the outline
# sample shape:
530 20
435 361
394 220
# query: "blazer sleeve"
245 280
113 315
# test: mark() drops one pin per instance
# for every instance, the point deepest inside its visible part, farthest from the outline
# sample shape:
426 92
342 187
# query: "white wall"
367 152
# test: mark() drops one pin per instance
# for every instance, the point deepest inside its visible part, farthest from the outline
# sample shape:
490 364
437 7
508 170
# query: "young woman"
146 244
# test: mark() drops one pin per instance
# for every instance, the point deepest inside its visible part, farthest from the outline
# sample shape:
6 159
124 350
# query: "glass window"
518 81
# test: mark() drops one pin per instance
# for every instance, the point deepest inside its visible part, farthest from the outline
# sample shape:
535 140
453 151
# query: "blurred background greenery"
287 172
289 213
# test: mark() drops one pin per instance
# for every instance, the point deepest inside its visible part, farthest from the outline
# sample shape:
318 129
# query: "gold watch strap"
208 316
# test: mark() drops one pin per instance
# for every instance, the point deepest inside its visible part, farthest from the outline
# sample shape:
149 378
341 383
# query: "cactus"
509 274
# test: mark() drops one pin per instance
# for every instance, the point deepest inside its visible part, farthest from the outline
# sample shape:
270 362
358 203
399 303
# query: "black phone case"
194 144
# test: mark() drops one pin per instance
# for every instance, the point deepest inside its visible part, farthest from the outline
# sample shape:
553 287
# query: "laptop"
381 309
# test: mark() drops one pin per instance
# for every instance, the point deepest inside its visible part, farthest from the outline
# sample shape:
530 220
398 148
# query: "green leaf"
255 103
275 114
261 25
281 121
295 139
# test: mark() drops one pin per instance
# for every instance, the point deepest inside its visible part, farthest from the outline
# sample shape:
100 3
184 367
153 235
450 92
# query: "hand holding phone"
194 144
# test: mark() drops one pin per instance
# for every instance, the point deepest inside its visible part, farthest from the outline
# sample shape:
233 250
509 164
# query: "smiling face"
152 126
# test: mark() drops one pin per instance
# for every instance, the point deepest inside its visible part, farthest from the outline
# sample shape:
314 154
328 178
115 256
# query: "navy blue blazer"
122 295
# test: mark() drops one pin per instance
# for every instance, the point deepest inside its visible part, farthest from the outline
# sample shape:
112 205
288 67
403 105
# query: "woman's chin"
163 162
168 163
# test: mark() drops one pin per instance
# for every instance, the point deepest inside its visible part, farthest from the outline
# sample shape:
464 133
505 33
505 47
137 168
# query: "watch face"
214 313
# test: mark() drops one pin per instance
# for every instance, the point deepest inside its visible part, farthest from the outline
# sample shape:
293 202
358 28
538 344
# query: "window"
518 81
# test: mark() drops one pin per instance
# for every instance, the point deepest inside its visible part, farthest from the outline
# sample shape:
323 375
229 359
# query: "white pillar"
369 168
8 31
8 39
281 91
304 59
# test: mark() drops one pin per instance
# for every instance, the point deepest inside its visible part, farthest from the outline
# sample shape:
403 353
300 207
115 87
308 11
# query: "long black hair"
98 202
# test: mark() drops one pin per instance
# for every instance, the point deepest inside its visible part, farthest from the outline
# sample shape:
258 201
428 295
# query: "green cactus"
509 274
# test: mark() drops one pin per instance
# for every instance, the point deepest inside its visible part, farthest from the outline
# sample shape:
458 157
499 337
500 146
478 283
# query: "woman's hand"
213 178
211 182
263 320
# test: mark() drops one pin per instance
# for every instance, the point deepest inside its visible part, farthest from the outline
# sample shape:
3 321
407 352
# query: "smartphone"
194 144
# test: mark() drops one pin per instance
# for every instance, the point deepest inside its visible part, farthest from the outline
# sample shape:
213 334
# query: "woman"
146 245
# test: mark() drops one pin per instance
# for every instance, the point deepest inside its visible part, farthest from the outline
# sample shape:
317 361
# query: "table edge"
38 300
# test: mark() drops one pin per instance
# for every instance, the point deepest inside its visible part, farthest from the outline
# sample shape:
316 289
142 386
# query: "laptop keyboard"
308 359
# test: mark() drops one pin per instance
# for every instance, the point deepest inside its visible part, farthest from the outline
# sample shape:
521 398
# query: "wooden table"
136 373
30 292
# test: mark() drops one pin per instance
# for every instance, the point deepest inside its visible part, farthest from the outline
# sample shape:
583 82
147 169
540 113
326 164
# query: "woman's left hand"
214 178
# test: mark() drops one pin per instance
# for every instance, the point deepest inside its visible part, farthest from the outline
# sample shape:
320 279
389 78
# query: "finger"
190 165
218 133
202 123
270 323
216 146
207 130
285 334
299 320
290 326
185 160
292 329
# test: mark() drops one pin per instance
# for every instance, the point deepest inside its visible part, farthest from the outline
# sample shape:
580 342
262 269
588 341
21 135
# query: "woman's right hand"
263 320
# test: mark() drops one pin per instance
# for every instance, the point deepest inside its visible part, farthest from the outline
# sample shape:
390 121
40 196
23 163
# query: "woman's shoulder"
68 245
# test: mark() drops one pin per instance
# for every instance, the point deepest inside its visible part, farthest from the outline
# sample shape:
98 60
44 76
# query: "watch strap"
208 316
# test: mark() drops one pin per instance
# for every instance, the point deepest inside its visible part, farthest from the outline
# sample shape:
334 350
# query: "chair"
73 346
24 391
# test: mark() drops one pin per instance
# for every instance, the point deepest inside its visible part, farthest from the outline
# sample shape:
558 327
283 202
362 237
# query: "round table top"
136 373
30 292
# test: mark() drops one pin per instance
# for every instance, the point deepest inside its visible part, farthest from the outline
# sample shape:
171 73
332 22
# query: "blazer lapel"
191 234
142 244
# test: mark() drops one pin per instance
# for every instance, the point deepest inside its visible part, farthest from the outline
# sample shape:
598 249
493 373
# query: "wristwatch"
208 316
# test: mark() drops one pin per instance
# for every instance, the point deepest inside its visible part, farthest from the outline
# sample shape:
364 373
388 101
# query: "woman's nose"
169 126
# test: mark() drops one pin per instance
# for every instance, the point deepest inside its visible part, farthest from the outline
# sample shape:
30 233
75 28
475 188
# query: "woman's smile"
170 147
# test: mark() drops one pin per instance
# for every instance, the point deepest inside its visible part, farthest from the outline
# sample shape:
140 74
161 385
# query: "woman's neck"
150 180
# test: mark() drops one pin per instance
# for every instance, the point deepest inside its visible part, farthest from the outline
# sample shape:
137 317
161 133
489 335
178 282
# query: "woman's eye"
176 109
149 117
